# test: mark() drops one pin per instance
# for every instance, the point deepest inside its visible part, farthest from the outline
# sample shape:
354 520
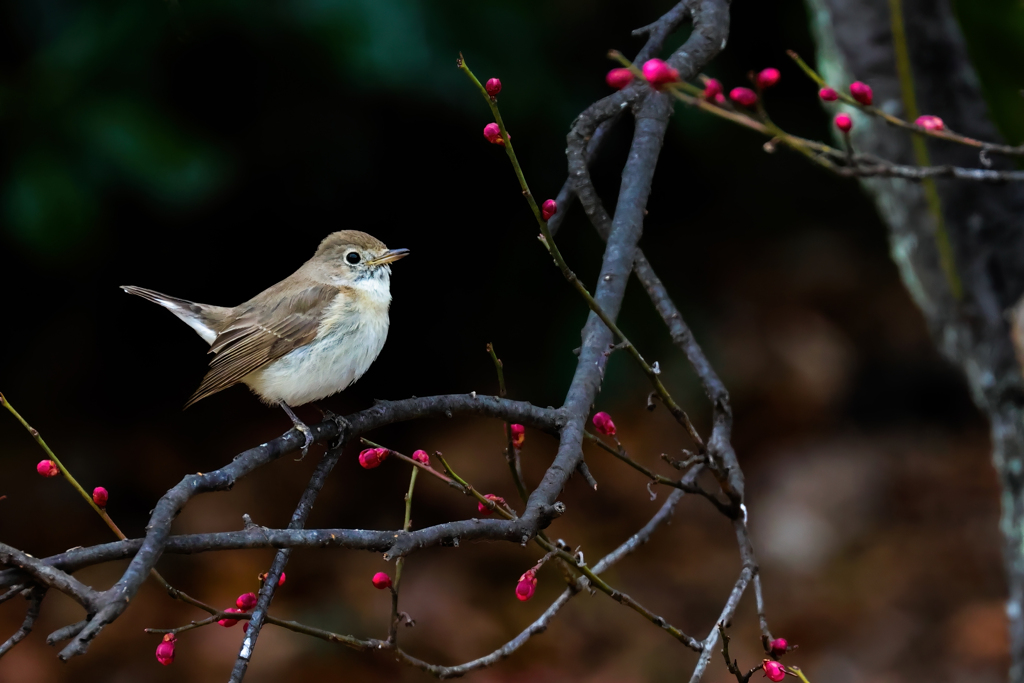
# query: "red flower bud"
527 585
228 623
844 122
245 627
767 78
548 209
712 89
778 647
421 457
518 435
47 468
373 457
619 78
929 122
658 73
99 496
743 96
492 132
828 94
246 601
773 670
280 581
483 509
381 581
861 92
493 87
603 424
165 650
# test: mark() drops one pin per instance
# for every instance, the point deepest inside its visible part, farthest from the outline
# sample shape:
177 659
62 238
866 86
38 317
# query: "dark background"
204 150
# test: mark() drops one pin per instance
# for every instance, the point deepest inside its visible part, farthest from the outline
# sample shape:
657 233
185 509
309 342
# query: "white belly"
324 367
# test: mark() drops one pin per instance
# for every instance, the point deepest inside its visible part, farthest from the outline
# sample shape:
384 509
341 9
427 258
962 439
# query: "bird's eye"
352 257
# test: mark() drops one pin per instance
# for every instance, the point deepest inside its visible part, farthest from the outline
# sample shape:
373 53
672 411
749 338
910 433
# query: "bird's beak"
388 256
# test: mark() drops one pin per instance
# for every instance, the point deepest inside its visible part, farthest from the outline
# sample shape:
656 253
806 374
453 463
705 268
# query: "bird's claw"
308 434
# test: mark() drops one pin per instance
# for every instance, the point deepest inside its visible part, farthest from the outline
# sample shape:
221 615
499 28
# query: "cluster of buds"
518 435
527 584
603 424
483 509
48 468
373 457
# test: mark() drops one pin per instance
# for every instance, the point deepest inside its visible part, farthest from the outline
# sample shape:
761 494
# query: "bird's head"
351 257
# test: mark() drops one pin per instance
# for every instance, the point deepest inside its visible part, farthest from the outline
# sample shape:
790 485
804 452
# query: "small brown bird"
307 337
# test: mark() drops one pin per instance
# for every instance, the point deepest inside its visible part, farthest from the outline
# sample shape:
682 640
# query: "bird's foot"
344 426
301 426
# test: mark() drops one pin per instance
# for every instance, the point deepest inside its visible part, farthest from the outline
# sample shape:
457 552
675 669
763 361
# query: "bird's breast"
349 339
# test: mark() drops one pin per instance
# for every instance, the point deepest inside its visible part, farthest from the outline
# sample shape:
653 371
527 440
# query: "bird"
309 336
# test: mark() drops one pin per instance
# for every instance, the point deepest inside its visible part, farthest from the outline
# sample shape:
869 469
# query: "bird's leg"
301 426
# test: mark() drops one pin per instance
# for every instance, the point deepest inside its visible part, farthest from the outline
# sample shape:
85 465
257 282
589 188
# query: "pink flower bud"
619 78
99 496
47 468
381 581
493 87
861 92
929 122
245 627
483 509
844 122
828 94
778 647
246 601
712 89
720 99
373 457
658 73
767 78
527 585
280 581
548 209
603 424
773 670
492 132
165 650
421 457
743 96
518 435
228 623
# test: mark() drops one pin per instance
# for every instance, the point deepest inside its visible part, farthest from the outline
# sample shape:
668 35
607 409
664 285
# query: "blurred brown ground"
878 539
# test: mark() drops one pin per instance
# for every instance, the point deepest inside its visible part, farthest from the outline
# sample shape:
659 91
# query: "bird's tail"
206 320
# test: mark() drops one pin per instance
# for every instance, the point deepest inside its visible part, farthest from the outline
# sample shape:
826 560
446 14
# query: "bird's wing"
265 329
